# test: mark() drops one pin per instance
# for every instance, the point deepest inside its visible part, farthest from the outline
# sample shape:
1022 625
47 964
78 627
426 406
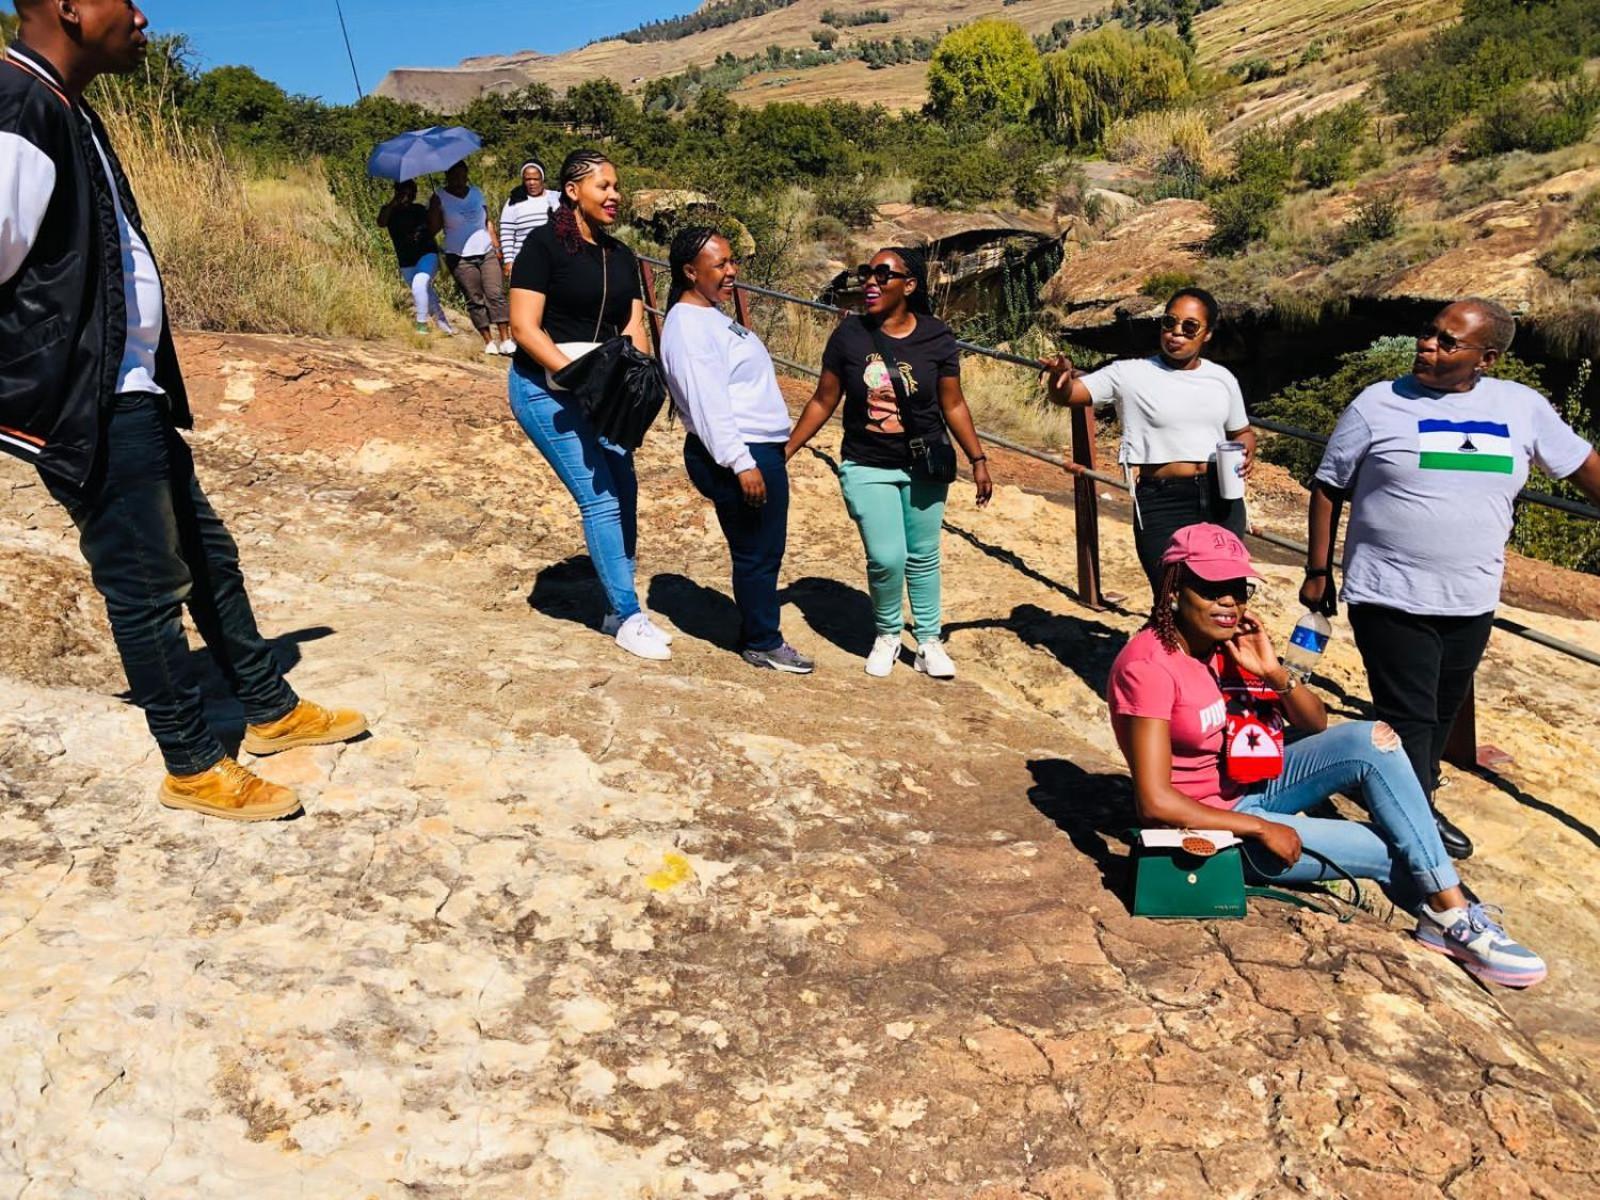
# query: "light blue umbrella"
422 150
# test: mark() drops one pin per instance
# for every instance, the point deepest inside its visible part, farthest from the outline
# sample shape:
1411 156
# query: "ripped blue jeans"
1400 845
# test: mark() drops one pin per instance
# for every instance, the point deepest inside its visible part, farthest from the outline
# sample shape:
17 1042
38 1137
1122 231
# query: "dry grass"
1154 138
249 254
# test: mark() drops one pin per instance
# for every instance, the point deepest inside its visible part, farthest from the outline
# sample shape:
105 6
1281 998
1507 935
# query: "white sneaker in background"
638 637
884 651
934 661
491 347
508 347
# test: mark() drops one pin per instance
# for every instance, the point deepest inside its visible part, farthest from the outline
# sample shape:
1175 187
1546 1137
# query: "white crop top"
1167 414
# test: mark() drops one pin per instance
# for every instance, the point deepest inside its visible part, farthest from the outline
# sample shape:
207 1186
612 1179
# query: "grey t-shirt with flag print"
1433 477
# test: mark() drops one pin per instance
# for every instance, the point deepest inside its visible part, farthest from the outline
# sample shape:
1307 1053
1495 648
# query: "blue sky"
296 42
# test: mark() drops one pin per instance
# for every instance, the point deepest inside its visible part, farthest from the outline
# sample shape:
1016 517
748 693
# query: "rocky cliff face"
569 925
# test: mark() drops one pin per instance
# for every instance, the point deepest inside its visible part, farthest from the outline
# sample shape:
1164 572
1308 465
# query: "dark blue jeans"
155 545
757 537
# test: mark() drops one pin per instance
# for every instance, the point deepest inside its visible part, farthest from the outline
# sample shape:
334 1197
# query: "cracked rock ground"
570 925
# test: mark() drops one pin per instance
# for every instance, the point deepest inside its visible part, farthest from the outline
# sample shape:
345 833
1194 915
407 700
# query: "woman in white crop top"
1175 406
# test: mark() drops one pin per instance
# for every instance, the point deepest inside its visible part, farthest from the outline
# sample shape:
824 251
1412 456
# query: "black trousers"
154 546
757 537
1419 669
1168 505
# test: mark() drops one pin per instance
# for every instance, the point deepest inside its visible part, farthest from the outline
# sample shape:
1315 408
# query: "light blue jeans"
1401 844
598 473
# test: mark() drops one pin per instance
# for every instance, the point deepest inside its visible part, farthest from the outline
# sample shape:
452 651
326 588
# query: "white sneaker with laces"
492 347
884 651
611 623
508 347
638 637
933 660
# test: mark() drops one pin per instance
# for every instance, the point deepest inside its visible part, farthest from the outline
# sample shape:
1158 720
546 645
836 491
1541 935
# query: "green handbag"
1173 883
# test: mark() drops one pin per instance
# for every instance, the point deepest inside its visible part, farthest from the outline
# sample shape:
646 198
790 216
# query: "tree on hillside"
601 105
240 104
792 142
989 68
1108 75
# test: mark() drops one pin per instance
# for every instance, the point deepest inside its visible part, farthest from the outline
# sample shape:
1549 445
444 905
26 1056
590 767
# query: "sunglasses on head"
1187 326
1215 589
882 272
1448 342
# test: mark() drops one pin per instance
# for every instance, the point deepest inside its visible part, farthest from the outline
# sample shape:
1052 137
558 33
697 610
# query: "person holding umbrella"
417 252
472 252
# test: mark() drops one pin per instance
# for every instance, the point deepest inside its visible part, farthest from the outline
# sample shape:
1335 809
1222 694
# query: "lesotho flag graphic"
1465 446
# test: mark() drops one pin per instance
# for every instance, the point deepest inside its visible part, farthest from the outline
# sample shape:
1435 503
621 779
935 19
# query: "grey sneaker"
781 658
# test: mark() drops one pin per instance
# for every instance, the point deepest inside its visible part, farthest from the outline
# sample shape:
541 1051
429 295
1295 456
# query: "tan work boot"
306 724
228 791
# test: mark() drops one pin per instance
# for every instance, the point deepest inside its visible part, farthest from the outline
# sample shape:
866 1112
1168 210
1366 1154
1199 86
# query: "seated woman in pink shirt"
1199 702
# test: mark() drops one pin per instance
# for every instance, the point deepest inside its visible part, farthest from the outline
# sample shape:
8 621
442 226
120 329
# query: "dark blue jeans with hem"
757 537
154 546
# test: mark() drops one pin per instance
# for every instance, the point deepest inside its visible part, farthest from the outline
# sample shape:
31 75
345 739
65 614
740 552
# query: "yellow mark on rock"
675 869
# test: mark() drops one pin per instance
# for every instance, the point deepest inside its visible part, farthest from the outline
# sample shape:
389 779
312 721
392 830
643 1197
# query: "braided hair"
686 247
1164 616
916 264
579 165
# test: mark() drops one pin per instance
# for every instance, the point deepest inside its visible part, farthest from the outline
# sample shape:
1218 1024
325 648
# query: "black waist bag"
933 458
620 389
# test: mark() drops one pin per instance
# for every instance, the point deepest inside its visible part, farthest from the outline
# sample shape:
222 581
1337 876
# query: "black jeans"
1419 669
1168 505
154 545
757 537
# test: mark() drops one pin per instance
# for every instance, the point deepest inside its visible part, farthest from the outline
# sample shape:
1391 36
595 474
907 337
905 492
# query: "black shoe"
1456 843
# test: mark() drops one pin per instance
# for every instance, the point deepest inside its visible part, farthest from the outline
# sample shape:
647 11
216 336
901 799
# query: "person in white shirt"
529 206
726 391
1175 406
472 252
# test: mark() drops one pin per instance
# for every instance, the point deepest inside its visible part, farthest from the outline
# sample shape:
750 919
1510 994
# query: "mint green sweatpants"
900 519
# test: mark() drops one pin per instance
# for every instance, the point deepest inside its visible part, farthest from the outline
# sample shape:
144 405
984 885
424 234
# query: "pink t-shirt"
1146 681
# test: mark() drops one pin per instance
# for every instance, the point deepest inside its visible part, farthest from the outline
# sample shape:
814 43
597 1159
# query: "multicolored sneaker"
1478 942
780 658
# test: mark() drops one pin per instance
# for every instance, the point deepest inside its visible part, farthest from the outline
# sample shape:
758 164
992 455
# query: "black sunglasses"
1448 342
1188 326
883 272
1216 589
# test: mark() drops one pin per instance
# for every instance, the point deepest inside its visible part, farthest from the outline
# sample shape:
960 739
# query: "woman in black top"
898 509
574 286
416 251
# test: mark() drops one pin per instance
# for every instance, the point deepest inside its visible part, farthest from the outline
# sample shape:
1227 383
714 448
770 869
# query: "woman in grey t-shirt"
1175 406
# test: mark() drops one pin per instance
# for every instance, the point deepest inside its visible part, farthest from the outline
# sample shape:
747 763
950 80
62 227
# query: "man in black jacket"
91 394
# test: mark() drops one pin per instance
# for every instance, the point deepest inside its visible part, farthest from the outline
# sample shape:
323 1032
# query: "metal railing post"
1086 508
647 276
741 305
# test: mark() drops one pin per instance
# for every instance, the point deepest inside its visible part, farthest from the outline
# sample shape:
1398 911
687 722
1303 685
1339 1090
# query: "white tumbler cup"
1230 470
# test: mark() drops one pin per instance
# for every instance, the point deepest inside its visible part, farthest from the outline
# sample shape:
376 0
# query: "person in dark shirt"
416 251
900 513
573 287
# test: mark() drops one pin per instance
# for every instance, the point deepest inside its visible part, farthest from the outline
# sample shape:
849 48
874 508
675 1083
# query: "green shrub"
989 68
1334 137
849 201
1376 218
1163 283
1108 75
1242 208
1566 540
1525 121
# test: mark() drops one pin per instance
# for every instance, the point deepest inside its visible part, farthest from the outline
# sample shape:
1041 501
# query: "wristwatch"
1319 573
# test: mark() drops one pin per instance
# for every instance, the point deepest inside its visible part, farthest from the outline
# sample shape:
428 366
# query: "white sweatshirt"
723 383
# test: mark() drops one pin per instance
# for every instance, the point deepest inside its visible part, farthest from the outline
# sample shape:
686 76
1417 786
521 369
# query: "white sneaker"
508 347
884 651
934 661
492 347
612 623
637 637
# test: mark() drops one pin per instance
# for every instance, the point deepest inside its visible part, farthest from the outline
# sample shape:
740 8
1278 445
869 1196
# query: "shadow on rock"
696 610
835 611
569 591
1093 808
1086 648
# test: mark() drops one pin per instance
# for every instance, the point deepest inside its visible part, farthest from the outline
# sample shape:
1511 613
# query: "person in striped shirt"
529 206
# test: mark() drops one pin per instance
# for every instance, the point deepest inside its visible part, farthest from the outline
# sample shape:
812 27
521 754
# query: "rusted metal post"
741 306
647 277
1086 507
1463 748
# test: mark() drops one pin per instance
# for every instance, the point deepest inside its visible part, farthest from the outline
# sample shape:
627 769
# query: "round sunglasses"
1188 326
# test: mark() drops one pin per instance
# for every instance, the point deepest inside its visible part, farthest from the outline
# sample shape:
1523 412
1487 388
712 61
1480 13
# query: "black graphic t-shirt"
408 230
874 430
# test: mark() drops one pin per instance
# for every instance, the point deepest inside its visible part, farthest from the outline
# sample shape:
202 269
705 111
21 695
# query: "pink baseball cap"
1211 552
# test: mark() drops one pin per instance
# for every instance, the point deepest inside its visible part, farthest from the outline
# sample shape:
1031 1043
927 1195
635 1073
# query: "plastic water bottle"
1306 644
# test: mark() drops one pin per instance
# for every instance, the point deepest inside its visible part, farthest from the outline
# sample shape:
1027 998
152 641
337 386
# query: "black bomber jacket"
63 319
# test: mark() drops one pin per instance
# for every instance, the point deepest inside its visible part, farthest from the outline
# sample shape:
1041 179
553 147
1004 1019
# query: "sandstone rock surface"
572 926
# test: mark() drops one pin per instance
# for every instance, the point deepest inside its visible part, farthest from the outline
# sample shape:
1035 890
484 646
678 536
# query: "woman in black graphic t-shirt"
899 513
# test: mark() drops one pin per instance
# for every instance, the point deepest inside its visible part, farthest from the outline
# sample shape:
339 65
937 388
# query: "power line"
339 7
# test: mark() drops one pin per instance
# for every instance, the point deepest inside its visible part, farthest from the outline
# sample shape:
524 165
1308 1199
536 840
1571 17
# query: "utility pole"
344 29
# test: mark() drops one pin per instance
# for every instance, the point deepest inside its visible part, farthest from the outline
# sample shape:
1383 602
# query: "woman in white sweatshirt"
726 392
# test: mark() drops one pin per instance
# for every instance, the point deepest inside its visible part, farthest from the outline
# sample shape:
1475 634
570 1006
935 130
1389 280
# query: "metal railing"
1463 749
